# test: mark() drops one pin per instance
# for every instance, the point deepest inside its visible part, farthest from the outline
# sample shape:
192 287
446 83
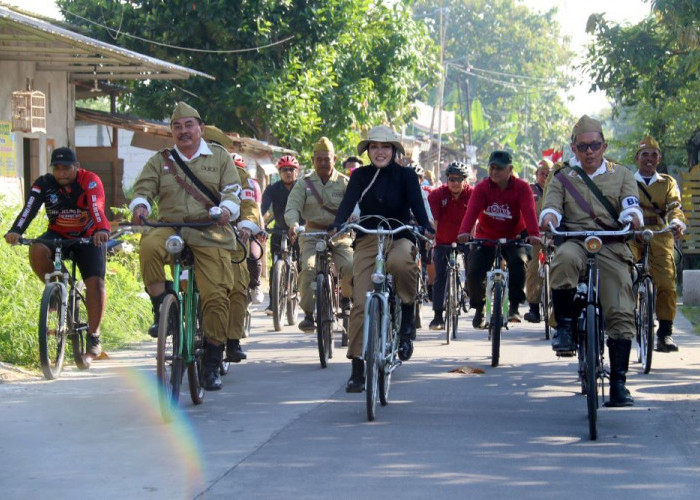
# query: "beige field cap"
184 110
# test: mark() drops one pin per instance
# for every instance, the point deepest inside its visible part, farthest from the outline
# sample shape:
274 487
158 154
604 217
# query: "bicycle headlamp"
647 235
378 278
174 244
283 245
593 244
321 245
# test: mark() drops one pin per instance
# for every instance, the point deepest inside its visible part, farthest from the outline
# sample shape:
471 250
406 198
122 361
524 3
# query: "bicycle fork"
492 277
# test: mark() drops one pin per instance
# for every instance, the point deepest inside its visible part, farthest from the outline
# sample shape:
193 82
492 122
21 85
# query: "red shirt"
501 214
448 212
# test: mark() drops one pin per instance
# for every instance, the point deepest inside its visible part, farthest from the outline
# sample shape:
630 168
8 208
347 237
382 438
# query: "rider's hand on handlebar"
12 238
139 211
244 235
463 238
547 219
293 231
532 240
100 237
224 218
677 231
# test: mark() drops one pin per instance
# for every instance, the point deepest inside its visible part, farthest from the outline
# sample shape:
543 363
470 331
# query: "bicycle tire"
77 328
590 369
448 304
278 299
454 318
194 369
645 324
169 369
324 319
52 331
391 348
546 302
292 295
496 322
372 361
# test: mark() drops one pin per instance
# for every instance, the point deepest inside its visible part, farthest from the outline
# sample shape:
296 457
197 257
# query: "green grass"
127 315
692 313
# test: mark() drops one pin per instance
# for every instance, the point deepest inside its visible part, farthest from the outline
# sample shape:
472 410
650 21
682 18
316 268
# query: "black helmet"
457 168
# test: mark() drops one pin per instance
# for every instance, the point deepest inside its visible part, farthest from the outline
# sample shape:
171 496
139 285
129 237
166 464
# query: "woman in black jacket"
383 190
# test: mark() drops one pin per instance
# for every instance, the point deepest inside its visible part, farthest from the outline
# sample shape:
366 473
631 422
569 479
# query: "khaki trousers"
400 263
533 282
663 271
342 257
614 282
238 303
214 277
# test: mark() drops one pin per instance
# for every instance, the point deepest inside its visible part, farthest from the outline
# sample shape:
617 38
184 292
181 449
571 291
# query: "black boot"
155 303
356 382
407 331
619 352
234 352
562 338
437 323
211 360
430 293
664 341
533 315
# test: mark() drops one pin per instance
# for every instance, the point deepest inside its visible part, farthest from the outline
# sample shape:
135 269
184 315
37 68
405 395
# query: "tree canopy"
287 71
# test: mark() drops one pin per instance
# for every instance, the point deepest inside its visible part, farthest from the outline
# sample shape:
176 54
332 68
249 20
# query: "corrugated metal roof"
27 38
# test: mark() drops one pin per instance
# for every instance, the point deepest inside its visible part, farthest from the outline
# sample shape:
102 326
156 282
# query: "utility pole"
441 93
469 109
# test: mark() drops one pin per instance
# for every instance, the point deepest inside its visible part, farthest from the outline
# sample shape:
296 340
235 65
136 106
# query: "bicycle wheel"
546 302
373 355
645 322
292 295
454 299
194 369
77 328
496 322
169 367
278 289
324 318
391 350
52 331
590 369
449 303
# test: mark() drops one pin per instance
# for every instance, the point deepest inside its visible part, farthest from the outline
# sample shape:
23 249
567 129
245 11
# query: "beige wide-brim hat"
381 133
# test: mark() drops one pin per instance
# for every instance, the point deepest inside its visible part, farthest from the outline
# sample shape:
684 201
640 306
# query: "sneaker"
513 315
256 295
666 344
405 349
479 322
93 345
307 325
268 310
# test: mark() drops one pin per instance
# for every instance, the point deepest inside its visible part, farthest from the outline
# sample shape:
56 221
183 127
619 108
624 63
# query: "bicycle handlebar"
63 242
625 231
382 232
499 241
648 234
148 223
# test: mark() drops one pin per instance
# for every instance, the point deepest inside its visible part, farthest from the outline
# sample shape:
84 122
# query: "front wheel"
449 304
372 356
78 328
52 331
278 293
546 302
194 369
324 318
590 368
496 322
292 294
169 362
645 322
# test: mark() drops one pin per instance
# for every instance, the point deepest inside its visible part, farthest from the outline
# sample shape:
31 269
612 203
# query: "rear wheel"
645 323
278 293
590 369
546 302
496 322
292 295
169 362
77 329
324 318
194 369
449 304
52 331
372 361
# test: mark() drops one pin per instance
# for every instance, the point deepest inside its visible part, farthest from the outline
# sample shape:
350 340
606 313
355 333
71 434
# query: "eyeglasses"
287 170
455 179
583 147
653 155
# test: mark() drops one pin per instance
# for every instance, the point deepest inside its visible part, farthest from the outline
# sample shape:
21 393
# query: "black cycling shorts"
91 260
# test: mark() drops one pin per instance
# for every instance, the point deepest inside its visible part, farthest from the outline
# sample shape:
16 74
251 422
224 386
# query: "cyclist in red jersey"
75 206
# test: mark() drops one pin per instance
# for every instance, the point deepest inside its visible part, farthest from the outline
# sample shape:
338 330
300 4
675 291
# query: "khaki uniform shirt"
215 169
250 210
664 192
302 203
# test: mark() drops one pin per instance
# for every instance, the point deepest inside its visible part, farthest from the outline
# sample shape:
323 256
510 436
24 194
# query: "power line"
512 75
513 85
205 51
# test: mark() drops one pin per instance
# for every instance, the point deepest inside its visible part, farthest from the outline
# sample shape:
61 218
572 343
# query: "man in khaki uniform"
661 201
315 198
615 284
179 200
248 224
533 280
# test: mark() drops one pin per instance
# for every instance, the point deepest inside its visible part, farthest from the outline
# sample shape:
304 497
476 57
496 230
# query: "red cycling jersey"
448 212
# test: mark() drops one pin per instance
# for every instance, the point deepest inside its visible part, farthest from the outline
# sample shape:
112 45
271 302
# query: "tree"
650 70
333 67
516 62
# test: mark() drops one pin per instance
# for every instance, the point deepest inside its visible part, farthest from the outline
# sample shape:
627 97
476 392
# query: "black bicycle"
62 313
284 282
455 295
548 249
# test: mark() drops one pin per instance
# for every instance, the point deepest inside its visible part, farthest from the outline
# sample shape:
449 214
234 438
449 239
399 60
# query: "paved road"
284 428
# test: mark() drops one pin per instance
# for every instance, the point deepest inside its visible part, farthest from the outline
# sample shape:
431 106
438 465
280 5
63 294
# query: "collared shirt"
202 150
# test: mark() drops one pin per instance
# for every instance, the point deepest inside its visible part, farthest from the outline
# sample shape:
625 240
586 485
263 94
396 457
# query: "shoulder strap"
181 182
596 192
579 199
193 178
317 195
657 209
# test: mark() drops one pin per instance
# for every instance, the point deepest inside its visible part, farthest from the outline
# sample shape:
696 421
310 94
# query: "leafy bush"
127 314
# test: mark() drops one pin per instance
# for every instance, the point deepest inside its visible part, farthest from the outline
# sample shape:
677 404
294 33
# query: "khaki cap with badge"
648 143
324 145
184 110
586 124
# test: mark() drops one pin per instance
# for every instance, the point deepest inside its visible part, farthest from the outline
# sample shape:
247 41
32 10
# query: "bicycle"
327 287
180 341
455 297
548 249
497 293
644 291
284 282
382 320
422 295
589 330
63 311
